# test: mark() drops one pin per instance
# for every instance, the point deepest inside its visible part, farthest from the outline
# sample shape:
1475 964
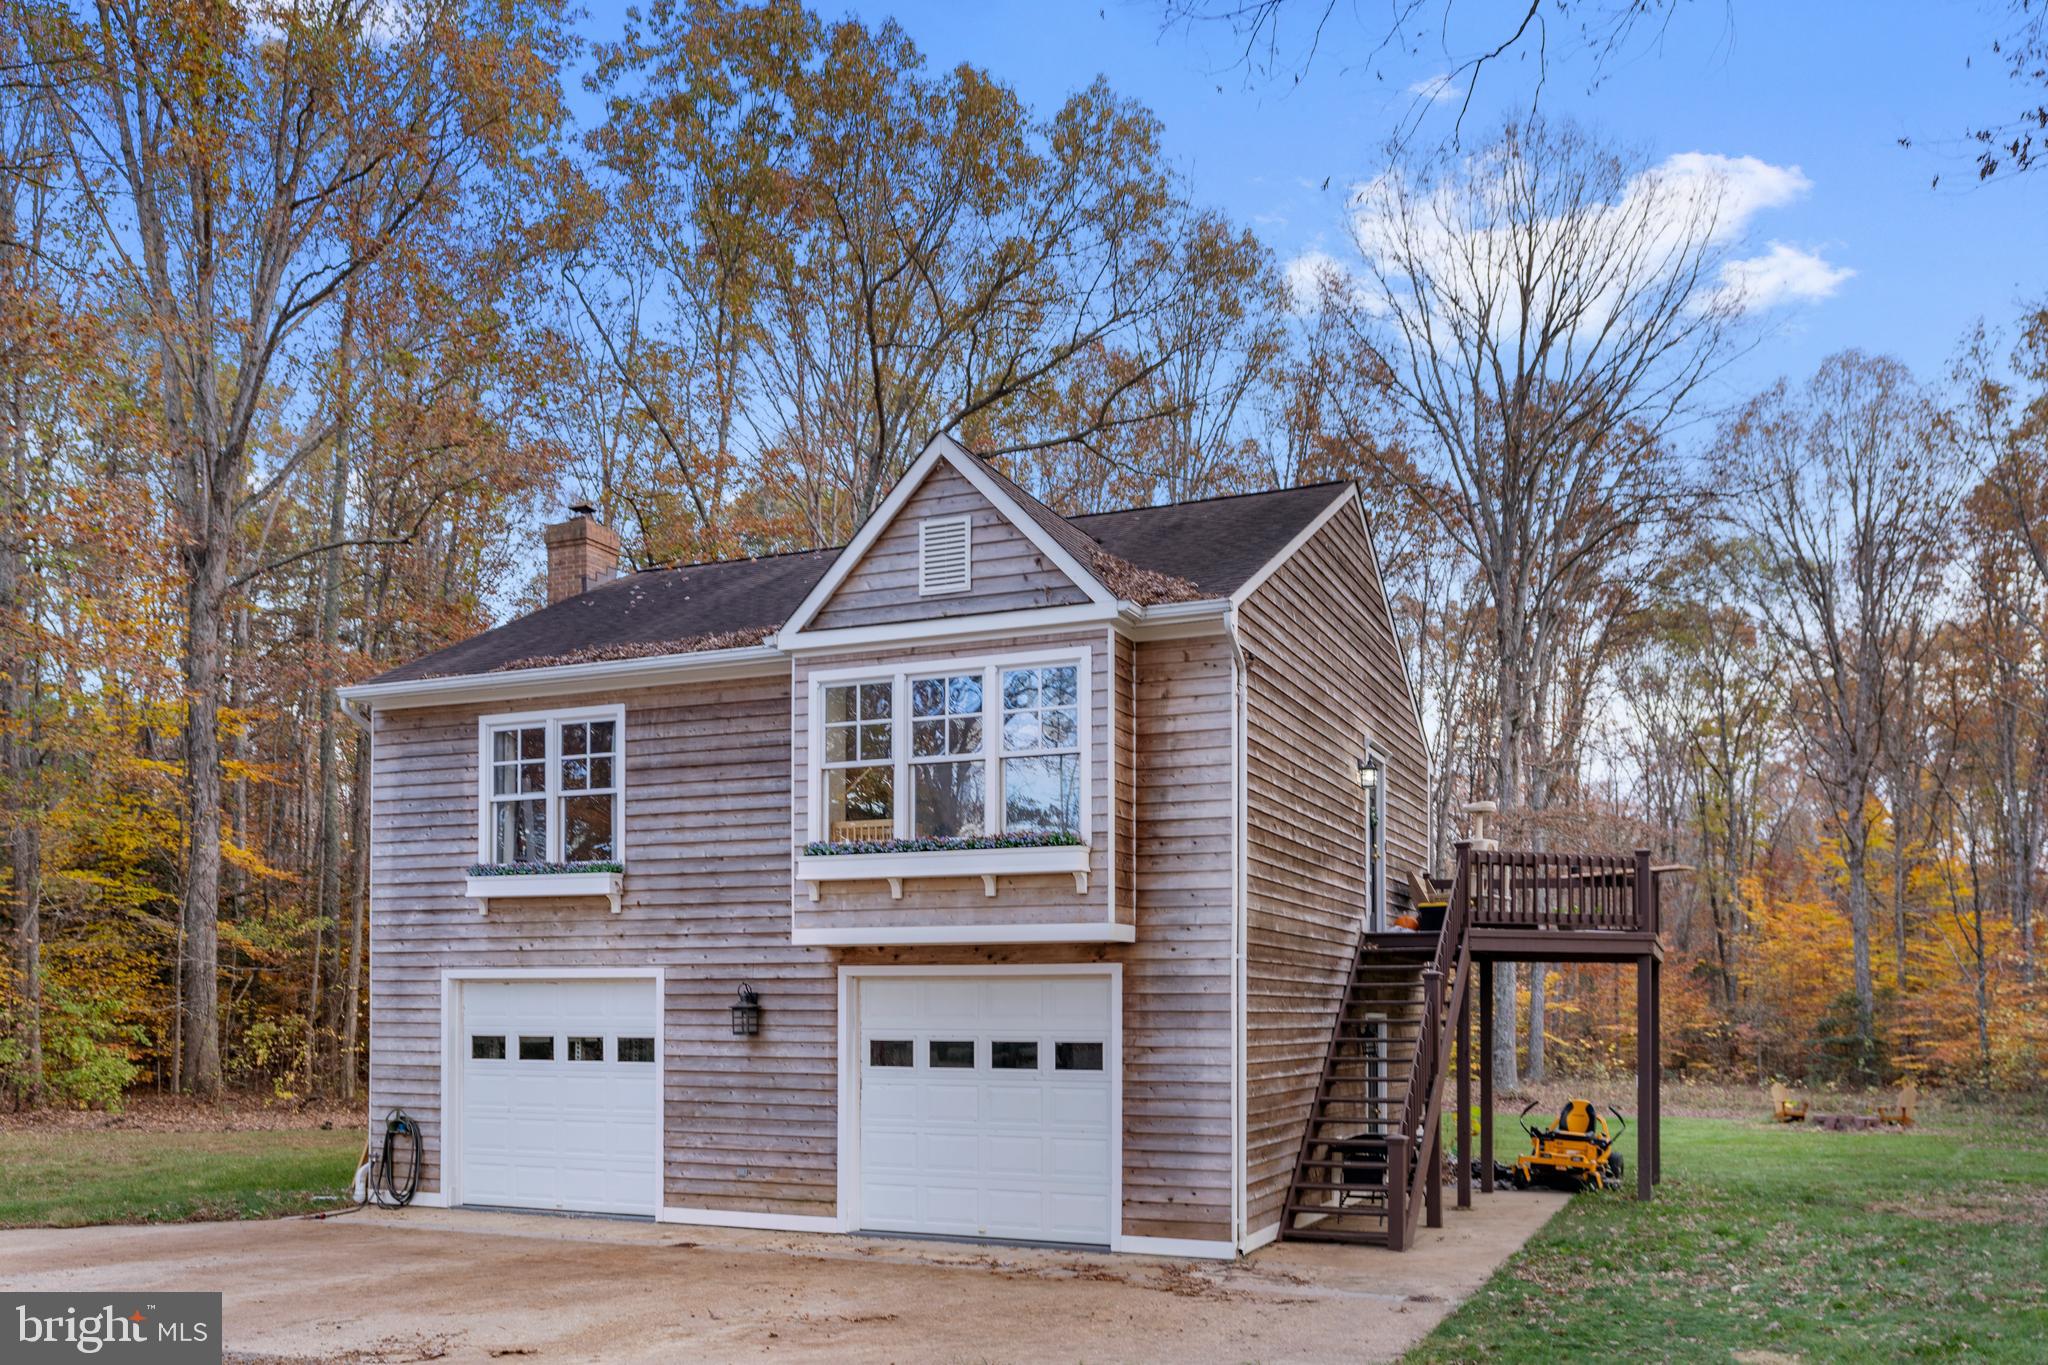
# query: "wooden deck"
1564 907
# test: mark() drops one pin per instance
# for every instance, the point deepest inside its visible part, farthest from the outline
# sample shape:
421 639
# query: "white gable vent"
942 556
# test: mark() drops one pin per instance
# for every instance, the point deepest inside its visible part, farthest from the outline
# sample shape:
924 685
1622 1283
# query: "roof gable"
1037 556
1007 571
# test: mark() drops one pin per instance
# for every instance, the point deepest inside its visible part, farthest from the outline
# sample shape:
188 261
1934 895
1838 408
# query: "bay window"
552 787
975 749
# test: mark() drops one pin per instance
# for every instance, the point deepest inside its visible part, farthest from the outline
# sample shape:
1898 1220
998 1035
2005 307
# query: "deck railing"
1612 892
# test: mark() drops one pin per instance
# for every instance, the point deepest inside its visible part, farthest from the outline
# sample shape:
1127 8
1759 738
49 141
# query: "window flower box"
894 861
507 881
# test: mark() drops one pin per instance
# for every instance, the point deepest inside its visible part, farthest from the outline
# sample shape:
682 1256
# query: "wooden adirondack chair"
1900 1115
1787 1107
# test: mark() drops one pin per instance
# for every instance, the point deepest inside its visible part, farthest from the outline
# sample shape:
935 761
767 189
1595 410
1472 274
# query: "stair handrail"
1425 1087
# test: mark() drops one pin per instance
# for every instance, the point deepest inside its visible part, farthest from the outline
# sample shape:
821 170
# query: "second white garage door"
985 1106
560 1089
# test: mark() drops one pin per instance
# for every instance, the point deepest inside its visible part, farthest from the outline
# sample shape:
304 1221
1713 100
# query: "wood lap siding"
749 1124
1179 1049
1009 572
1124 866
1326 678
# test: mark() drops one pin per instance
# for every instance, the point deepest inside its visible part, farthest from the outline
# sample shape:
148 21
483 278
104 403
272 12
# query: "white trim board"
854 936
748 1218
1265 1236
573 679
1180 1248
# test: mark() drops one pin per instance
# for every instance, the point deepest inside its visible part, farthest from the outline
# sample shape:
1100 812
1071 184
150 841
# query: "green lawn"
68 1178
1762 1239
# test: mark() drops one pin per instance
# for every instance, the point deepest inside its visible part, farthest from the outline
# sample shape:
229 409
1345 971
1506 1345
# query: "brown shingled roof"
1178 552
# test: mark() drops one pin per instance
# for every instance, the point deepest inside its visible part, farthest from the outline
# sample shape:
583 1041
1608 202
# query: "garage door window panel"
1077 1056
951 1055
536 1049
487 1047
636 1049
586 1049
1007 1055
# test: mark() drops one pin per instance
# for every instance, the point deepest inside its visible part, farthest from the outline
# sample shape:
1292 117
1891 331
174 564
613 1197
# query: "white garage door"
985 1106
559 1094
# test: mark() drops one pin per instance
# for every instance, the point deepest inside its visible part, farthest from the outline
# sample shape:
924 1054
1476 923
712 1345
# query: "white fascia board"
937 935
970 468
1174 620
1307 533
982 625
746 661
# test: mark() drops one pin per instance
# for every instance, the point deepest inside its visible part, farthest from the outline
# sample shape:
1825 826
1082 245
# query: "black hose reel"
394 1176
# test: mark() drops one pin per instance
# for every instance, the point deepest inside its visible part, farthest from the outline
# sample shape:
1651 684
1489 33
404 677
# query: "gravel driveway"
431 1284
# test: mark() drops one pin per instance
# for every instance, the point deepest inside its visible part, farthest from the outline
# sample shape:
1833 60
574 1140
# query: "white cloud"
1783 274
1306 275
1662 214
1435 89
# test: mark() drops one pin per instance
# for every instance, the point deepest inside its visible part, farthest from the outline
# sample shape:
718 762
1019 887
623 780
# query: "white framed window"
859 767
1041 748
552 786
945 555
961 748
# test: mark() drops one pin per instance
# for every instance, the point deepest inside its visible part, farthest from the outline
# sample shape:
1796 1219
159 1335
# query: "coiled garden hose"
388 1187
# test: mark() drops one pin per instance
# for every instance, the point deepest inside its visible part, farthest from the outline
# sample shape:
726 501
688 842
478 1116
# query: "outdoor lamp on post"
746 1013
1368 774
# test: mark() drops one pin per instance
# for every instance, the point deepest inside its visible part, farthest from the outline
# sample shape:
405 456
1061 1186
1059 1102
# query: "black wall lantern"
746 1013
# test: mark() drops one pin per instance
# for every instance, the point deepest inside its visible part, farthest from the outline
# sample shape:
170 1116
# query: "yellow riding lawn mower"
1575 1153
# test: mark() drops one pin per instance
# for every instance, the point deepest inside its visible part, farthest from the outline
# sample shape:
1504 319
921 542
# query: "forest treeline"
311 313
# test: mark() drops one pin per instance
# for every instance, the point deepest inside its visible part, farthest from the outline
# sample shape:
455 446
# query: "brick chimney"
582 553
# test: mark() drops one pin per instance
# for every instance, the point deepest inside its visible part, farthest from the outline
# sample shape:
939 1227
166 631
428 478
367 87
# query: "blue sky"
1826 89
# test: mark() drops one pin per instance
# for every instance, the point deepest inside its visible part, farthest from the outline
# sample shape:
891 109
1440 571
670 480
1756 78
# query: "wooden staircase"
1371 1151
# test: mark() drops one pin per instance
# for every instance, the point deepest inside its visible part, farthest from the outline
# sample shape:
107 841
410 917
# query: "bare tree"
1543 315
218 198
1840 553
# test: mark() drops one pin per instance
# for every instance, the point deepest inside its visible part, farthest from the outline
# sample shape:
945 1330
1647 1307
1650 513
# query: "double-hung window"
948 772
860 765
553 787
960 750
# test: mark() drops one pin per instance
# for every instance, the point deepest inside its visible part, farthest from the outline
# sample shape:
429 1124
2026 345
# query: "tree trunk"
199 973
1508 795
1537 988
327 908
1855 850
25 896
353 995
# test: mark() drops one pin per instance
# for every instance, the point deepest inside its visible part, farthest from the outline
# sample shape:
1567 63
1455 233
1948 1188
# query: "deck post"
1397 1192
1431 1144
1657 1071
1464 1118
1646 1077
1485 1059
